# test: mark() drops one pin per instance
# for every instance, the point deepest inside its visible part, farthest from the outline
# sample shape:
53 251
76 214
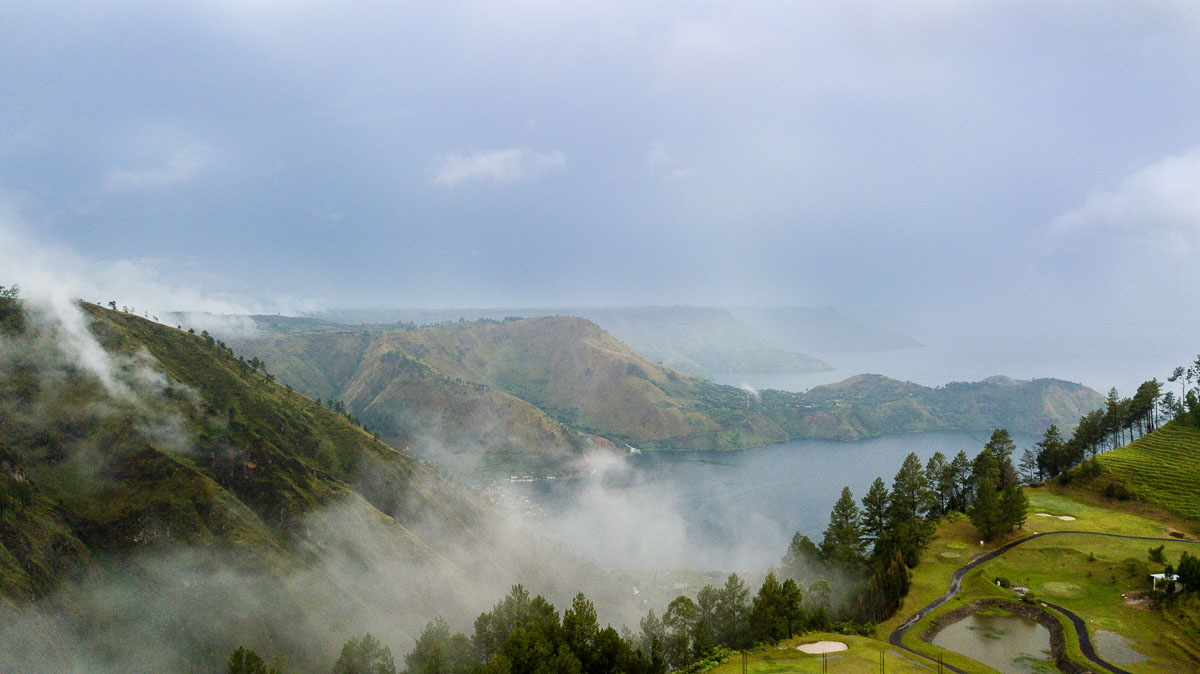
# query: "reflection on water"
1003 641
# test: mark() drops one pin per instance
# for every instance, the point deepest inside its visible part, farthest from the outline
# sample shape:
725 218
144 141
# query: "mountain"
515 385
871 405
821 330
575 374
698 340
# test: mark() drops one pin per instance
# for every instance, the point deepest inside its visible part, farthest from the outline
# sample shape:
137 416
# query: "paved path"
896 638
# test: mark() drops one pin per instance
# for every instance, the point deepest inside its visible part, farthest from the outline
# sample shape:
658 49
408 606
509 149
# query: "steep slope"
1161 467
172 440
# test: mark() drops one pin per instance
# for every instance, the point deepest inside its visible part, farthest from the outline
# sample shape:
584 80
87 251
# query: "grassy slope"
1084 574
244 462
1162 468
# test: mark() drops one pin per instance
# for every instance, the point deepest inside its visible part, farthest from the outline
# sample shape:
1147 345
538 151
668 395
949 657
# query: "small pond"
1116 648
1001 640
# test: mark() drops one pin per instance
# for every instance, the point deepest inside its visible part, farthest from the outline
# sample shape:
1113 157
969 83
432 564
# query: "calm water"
733 510
1005 642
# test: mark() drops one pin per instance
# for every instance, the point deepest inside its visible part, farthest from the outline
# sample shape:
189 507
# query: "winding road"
896 638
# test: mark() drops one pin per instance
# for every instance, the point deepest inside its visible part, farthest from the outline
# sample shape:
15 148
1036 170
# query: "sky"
973 166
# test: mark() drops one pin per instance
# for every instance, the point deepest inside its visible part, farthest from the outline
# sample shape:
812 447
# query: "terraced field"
1162 468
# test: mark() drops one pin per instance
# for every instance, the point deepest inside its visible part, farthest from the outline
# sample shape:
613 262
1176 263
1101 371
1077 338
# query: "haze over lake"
730 510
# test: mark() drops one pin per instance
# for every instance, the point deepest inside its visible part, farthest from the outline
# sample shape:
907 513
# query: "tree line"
870 548
1120 421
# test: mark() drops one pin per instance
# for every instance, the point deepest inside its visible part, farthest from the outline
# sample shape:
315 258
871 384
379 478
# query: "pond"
1005 642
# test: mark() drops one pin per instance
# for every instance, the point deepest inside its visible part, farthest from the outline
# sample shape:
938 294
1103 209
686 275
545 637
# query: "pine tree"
960 475
843 546
910 503
938 474
985 507
732 613
1014 506
874 518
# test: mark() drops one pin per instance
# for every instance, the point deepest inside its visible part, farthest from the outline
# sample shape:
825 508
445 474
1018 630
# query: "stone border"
1058 641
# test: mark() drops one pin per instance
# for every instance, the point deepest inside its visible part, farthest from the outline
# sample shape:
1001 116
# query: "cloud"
1160 201
59 276
180 167
510 165
662 163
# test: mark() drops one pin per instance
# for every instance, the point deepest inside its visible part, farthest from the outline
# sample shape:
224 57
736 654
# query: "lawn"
862 656
1084 574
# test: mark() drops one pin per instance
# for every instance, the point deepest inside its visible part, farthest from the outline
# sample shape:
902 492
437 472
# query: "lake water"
1005 642
732 510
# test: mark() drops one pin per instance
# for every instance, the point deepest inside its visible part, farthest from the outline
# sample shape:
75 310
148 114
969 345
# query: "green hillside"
184 446
1162 467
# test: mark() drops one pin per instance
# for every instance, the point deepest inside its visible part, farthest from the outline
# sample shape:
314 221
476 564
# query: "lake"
730 510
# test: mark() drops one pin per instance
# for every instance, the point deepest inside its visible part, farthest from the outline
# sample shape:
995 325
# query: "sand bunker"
1059 589
820 647
1065 518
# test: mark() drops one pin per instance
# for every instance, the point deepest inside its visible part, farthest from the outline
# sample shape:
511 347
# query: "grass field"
1162 468
863 657
1084 574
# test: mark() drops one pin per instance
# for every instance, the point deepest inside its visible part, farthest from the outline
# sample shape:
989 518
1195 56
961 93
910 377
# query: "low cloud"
180 167
56 275
1160 201
506 166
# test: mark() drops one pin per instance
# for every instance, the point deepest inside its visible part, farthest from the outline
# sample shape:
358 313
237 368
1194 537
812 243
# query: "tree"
802 557
680 623
1051 455
985 506
910 503
731 614
246 661
1029 467
706 620
941 482
843 545
365 656
882 595
792 610
1014 506
960 471
654 636
874 518
767 620
439 652
581 630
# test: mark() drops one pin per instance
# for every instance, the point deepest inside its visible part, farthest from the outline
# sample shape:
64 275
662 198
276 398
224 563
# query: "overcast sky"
926 161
